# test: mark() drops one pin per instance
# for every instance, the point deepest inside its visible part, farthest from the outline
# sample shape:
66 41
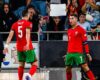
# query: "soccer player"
77 39
25 51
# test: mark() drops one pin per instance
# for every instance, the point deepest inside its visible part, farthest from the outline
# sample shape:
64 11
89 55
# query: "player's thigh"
30 56
21 56
79 58
69 59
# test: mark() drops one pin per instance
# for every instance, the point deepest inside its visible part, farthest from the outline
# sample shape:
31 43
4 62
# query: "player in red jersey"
25 51
77 39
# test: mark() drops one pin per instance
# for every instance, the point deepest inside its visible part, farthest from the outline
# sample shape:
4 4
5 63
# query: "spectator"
96 32
34 18
91 7
40 5
72 7
55 24
43 27
83 23
8 18
19 7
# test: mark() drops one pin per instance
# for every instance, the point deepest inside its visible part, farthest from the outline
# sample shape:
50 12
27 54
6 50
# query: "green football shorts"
26 56
72 59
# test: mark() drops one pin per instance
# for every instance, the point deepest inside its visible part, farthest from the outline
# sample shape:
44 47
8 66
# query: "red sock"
33 70
90 75
68 75
20 72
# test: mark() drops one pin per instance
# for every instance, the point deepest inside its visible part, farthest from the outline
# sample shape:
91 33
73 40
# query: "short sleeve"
83 34
13 27
29 25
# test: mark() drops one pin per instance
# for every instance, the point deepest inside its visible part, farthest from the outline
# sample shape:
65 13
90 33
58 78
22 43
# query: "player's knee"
68 69
22 64
34 63
85 67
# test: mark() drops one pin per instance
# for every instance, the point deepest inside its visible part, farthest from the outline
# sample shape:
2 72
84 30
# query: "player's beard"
73 25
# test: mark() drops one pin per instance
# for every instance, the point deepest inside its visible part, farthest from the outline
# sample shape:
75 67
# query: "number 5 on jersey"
20 34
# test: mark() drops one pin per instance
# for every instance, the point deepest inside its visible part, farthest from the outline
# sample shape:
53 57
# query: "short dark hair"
75 15
82 14
30 6
25 13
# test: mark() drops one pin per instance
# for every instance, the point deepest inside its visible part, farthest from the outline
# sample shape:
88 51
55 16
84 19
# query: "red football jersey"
19 28
76 37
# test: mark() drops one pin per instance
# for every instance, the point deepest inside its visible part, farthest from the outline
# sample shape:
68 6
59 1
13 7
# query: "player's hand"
89 57
5 50
64 57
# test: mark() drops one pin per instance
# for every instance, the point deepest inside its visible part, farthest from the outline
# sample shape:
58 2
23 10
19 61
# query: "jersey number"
20 34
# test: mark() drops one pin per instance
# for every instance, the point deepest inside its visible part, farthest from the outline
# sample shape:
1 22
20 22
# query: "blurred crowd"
87 10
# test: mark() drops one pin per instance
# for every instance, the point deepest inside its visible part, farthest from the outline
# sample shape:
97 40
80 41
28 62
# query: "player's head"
73 19
25 14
